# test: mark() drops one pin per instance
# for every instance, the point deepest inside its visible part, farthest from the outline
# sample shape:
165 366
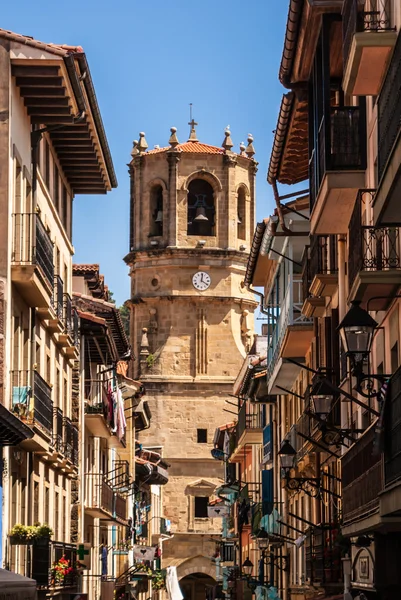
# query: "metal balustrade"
31 244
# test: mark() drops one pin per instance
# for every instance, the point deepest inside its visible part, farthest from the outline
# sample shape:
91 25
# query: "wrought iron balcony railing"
31 244
250 416
392 455
43 559
71 437
68 314
323 556
372 248
374 18
389 110
57 439
98 493
340 144
58 292
320 258
362 478
42 402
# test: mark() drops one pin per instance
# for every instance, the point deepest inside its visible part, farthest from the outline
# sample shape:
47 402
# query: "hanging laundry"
121 421
115 412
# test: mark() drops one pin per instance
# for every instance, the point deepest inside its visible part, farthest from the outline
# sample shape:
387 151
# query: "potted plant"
159 580
18 535
43 534
60 571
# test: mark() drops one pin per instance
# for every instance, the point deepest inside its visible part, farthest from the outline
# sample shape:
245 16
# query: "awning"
12 430
16 587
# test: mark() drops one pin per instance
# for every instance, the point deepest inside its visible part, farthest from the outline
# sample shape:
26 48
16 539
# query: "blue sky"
148 61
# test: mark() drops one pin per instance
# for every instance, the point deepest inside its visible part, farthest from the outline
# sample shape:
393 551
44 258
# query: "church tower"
191 226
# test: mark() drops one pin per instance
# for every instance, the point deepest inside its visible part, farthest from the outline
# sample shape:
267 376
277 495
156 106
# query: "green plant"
18 531
150 360
159 580
61 569
29 533
44 530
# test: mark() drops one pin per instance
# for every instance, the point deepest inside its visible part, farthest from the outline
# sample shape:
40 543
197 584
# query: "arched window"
156 210
201 209
241 213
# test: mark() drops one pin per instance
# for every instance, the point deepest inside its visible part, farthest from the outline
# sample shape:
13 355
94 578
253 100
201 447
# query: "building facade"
53 148
192 216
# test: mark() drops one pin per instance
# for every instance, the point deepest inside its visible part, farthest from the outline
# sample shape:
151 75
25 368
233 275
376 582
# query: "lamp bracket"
368 379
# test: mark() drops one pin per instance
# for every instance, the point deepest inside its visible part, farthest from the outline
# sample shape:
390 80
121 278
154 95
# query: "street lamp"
322 398
356 330
262 539
247 567
287 455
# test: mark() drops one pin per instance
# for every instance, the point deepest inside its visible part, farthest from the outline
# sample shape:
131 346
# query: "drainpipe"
261 296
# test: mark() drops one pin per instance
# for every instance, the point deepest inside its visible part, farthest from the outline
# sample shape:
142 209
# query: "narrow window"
201 208
56 188
201 504
241 215
156 211
394 358
47 164
202 436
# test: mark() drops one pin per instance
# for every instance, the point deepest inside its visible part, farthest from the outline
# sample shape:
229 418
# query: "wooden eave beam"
51 120
49 110
52 82
60 135
47 101
42 92
34 71
68 142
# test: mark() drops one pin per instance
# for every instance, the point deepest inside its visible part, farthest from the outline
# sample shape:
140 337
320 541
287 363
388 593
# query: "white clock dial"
201 281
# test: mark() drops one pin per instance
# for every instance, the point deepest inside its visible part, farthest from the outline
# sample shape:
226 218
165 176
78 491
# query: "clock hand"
202 278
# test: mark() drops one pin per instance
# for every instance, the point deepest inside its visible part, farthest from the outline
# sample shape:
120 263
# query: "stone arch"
157 181
197 564
157 203
246 188
207 176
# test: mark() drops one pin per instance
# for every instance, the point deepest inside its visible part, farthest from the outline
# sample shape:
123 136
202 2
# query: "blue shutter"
268 443
267 492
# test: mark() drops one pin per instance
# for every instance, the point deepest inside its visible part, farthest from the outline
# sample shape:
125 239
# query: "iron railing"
120 507
250 416
31 244
43 559
389 110
68 313
75 328
323 556
340 144
71 437
320 258
58 292
98 493
21 394
57 440
392 454
290 313
372 248
42 402
362 478
374 18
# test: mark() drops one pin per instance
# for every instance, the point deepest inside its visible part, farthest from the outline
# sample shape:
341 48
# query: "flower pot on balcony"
15 540
41 541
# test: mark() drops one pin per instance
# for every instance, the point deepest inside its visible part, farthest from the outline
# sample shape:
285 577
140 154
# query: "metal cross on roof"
192 123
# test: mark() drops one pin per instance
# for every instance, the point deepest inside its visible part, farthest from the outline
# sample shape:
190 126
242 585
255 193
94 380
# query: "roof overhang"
289 157
57 89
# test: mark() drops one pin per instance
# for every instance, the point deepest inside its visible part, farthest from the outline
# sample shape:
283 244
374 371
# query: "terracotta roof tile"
79 269
190 147
60 49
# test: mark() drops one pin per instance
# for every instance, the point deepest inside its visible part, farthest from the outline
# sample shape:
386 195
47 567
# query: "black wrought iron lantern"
356 330
287 455
247 566
322 399
262 539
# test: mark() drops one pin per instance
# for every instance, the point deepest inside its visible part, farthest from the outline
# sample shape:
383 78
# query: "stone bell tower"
191 225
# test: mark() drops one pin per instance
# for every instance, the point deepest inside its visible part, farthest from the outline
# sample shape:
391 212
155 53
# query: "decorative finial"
228 143
242 149
192 123
134 150
250 150
142 144
173 141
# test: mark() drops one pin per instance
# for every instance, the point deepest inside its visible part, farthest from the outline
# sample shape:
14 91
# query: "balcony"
390 501
57 438
68 339
43 558
319 274
336 168
32 269
362 479
249 429
95 419
374 260
71 437
323 557
368 42
55 316
31 401
291 338
386 208
99 496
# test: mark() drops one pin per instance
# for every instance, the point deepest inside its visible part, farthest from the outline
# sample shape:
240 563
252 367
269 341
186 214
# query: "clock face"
201 281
